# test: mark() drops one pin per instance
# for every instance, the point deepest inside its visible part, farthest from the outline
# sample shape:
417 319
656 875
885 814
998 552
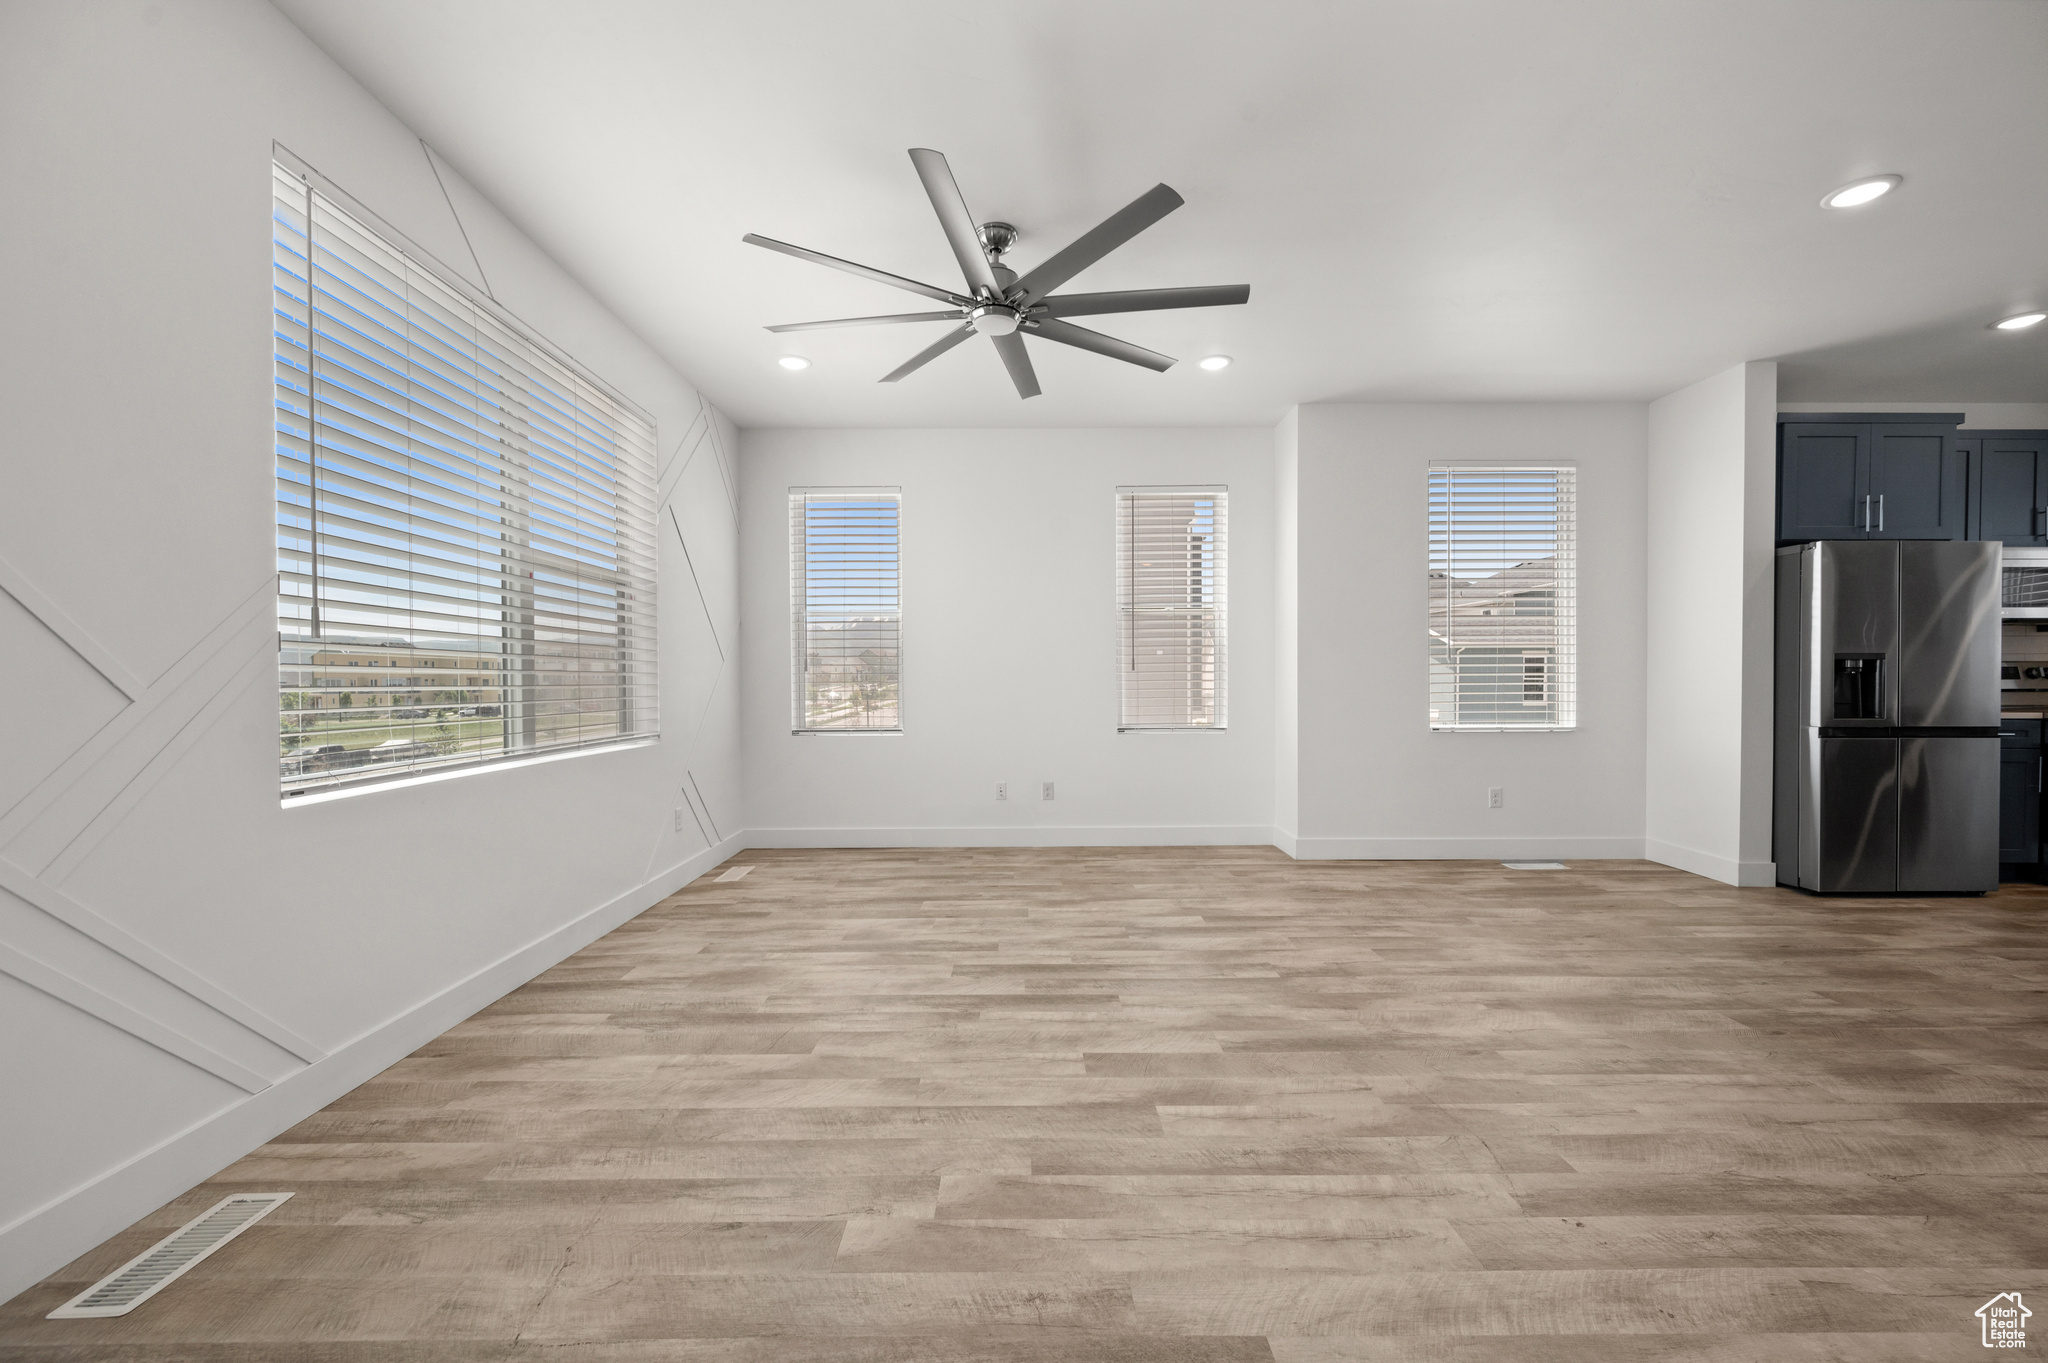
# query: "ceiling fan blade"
961 234
869 321
1066 333
1011 348
928 354
1142 300
1098 241
864 271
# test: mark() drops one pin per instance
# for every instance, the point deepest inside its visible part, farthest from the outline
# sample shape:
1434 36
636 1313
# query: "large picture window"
846 599
1502 618
465 519
1170 578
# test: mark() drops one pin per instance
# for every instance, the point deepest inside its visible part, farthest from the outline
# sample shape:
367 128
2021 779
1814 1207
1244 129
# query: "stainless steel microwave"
2023 584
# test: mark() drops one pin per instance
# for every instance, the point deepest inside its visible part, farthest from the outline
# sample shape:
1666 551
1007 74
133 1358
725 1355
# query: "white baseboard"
1727 870
44 1240
1043 835
1468 849
1211 835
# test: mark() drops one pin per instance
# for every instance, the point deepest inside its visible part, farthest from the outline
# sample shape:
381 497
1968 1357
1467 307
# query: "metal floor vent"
150 1272
1534 865
734 874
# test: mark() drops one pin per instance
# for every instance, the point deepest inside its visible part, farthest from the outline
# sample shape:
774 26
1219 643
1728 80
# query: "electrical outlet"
1002 790
1045 790
1496 796
679 818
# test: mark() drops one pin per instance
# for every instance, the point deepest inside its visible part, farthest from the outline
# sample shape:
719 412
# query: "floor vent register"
157 1267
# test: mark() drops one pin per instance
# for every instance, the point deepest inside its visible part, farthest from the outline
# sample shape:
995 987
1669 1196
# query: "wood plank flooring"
1206 1105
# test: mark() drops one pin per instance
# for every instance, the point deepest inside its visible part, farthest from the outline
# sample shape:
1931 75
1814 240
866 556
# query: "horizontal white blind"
465 522
1170 578
847 604
1502 593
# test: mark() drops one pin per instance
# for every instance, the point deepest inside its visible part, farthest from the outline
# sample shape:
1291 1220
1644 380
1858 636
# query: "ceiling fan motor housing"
996 238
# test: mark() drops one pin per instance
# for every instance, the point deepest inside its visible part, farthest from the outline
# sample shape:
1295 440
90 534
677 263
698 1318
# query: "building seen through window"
846 602
1171 599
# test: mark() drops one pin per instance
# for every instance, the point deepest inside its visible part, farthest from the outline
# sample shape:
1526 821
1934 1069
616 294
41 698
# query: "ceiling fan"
1006 307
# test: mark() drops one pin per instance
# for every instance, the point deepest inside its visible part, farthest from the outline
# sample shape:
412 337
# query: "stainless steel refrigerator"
1887 717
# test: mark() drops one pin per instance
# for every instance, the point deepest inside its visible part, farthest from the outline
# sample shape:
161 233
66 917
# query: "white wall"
186 967
1375 781
1711 532
1008 645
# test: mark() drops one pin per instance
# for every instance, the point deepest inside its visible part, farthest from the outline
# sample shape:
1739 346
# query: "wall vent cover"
142 1277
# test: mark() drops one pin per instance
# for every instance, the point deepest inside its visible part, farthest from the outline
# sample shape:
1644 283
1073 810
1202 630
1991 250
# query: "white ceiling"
1431 199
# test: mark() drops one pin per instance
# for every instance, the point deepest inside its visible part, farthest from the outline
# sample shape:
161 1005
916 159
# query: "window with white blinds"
1502 583
846 598
1170 607
465 520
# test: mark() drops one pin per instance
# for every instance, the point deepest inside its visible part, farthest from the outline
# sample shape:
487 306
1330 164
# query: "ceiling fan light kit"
994 319
1005 307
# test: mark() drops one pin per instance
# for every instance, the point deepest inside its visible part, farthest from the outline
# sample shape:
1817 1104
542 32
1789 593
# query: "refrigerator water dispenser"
1859 686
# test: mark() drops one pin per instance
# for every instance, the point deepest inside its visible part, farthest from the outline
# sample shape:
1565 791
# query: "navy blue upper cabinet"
2009 487
1823 471
1854 480
1917 479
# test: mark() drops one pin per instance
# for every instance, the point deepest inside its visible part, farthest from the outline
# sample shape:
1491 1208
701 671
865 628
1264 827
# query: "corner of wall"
1287 630
1710 523
1759 613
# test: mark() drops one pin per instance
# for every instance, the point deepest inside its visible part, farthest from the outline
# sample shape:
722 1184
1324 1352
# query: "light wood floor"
1197 1105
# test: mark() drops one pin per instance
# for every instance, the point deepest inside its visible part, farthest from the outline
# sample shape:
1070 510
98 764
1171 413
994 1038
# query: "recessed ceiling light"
1862 191
2021 322
1215 362
794 362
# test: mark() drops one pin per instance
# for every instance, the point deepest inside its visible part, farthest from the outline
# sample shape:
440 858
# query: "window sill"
373 784
858 733
1503 728
1174 729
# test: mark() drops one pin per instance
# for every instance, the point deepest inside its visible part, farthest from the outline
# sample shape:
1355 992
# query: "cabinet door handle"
1880 513
1866 513
2038 764
2040 516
